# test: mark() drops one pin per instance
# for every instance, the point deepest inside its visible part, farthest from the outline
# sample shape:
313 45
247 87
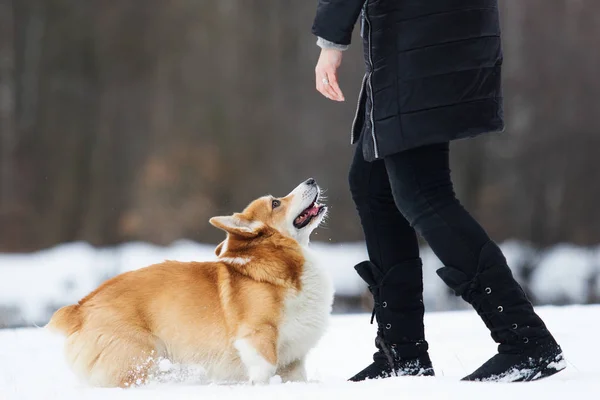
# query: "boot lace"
387 351
380 341
493 316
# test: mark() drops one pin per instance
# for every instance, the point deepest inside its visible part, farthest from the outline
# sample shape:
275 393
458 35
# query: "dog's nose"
311 182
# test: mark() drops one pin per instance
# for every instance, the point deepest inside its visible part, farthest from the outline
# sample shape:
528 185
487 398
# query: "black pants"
412 191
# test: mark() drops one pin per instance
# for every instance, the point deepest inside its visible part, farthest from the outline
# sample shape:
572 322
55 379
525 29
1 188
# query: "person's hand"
326 74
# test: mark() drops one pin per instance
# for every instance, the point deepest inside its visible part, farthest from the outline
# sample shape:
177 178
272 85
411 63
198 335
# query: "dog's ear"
219 248
237 224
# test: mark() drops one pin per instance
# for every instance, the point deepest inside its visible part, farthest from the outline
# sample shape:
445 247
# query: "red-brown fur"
188 312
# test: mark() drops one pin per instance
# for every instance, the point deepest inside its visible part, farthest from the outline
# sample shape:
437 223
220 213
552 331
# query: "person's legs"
394 274
423 191
389 237
474 266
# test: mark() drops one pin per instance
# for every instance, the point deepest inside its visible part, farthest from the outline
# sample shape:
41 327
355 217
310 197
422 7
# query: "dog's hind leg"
110 359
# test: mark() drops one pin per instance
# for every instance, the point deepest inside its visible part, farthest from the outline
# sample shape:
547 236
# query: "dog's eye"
275 203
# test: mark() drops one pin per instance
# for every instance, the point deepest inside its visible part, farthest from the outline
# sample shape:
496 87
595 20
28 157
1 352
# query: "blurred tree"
139 120
7 105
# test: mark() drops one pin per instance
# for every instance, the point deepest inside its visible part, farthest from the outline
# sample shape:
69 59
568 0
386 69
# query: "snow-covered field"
33 285
32 367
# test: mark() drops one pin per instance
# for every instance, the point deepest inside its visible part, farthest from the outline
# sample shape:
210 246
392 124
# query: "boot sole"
537 373
429 372
549 369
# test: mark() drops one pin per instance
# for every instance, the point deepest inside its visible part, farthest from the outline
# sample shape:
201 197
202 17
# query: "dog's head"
295 215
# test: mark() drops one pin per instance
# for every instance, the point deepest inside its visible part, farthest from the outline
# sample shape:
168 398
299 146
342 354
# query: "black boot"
527 351
398 299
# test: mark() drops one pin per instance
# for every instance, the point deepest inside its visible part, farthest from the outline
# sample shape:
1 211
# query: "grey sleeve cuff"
326 44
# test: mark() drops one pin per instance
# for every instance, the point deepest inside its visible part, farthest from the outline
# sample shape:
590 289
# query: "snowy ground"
31 365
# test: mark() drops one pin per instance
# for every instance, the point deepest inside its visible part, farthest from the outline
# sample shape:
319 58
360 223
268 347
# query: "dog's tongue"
308 213
313 211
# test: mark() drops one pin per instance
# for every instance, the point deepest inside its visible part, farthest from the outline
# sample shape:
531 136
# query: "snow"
33 285
37 283
32 366
564 274
340 261
519 256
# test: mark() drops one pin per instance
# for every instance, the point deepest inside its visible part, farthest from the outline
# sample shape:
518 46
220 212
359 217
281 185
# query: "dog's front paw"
261 375
259 369
293 372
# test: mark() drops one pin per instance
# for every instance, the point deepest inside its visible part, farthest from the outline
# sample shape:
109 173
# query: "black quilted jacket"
433 69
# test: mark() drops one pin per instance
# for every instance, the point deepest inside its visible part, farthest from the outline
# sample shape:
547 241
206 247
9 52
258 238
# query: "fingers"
322 87
328 86
326 74
328 91
335 87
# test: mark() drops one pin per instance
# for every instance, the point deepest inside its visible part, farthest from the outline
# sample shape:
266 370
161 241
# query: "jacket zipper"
369 82
362 89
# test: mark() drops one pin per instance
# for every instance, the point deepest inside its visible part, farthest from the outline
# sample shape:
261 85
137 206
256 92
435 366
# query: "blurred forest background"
139 120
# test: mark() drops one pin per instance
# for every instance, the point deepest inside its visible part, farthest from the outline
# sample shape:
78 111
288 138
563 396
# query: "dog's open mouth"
309 213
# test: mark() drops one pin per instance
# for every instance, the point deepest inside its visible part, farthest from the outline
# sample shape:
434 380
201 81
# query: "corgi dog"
254 312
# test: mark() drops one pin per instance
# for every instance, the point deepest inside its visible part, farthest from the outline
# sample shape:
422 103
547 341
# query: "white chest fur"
306 313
